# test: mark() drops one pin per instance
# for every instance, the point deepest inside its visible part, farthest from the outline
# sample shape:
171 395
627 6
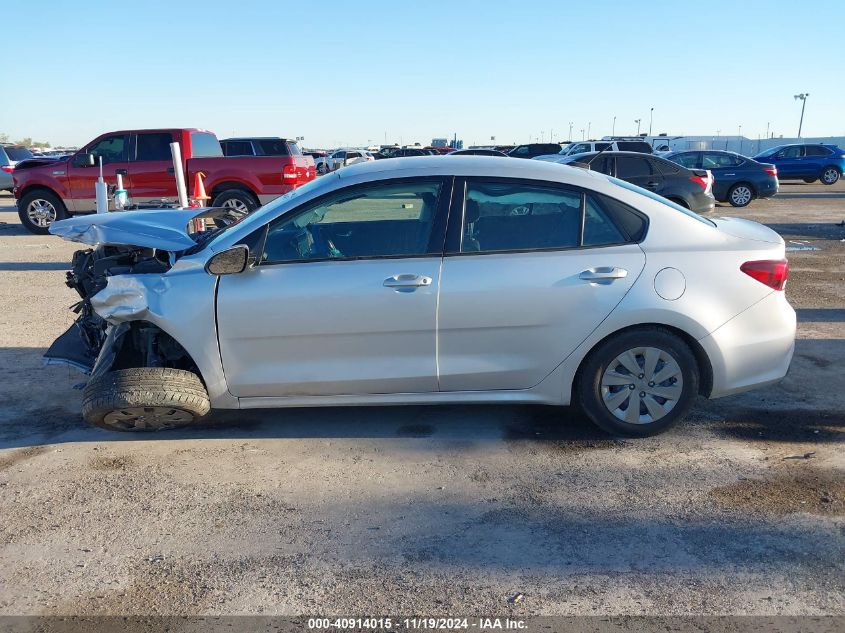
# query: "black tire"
322 168
830 176
236 199
145 399
810 181
34 203
591 393
741 194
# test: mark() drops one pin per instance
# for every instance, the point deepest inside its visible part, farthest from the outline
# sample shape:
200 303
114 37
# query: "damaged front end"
91 341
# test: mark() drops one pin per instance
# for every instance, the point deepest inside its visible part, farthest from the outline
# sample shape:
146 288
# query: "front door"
344 297
526 284
114 150
151 170
790 161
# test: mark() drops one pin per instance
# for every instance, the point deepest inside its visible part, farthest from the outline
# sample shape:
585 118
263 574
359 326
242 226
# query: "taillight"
772 272
772 171
702 181
7 168
289 173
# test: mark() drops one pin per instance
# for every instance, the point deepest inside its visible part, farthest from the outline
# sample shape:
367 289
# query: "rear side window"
817 150
153 146
204 145
293 149
608 221
714 160
237 148
634 146
633 167
666 167
18 153
272 147
515 216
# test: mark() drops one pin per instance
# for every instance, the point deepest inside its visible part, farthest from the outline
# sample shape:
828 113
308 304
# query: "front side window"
514 216
155 146
112 149
690 161
715 160
381 220
795 151
340 154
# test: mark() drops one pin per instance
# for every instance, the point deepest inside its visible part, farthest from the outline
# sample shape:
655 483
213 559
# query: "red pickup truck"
50 190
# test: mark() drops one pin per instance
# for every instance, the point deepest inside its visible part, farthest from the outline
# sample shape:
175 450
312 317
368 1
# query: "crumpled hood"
164 229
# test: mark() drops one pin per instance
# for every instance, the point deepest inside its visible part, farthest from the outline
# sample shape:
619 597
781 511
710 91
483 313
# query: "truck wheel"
39 209
237 200
145 399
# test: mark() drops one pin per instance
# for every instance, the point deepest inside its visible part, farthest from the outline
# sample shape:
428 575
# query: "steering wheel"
520 210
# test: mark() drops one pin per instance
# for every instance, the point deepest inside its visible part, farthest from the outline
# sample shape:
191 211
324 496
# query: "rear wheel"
145 399
638 383
237 200
39 209
830 175
740 195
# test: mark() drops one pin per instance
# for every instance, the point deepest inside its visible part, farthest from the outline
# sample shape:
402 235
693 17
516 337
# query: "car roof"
255 138
467 165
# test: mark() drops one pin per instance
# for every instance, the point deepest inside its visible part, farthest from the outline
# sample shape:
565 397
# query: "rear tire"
38 209
237 200
740 195
604 385
830 176
145 399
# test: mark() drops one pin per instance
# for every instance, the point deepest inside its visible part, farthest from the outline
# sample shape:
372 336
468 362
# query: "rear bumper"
754 348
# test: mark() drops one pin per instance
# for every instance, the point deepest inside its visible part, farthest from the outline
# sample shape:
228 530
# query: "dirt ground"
448 510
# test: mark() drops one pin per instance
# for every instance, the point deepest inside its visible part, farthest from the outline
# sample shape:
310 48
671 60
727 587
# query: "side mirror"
84 160
229 262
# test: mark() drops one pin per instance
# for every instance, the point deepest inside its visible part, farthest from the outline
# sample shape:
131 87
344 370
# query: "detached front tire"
145 399
638 383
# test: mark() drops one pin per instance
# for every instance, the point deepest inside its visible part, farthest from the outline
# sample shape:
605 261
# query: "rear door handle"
652 184
407 280
603 273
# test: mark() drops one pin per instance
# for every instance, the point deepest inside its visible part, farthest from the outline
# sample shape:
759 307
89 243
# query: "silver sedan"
421 280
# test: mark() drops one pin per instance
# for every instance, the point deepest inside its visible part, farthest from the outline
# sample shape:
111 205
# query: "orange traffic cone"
199 189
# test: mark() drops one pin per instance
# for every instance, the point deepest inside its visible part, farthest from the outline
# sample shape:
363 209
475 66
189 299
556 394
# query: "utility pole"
803 97
638 121
613 129
583 138
570 131
589 126
650 120
767 128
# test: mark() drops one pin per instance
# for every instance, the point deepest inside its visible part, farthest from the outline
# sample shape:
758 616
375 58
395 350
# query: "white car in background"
341 158
423 281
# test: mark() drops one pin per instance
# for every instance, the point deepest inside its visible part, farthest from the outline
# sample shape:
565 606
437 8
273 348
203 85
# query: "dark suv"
530 150
260 146
690 188
807 162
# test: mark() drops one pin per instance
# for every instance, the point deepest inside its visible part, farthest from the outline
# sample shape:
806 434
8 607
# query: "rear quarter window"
272 147
18 153
634 146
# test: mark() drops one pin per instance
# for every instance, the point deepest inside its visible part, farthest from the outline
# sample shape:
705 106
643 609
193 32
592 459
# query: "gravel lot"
448 510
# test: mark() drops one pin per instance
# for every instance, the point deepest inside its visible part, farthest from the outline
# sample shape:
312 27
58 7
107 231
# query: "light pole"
767 128
570 130
739 138
589 126
613 129
650 120
583 138
803 97
638 121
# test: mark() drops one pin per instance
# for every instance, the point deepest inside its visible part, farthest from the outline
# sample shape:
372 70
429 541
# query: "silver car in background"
423 280
10 155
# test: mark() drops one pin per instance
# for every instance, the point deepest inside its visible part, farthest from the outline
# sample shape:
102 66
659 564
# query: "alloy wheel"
147 418
642 385
741 196
830 176
41 213
235 205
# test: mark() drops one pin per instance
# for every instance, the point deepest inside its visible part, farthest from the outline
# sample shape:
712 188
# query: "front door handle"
407 280
652 184
603 274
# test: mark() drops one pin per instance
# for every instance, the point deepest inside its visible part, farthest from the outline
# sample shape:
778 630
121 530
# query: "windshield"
661 199
771 150
18 153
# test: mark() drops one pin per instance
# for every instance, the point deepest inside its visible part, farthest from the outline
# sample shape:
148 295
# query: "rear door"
640 171
114 150
814 159
523 284
151 173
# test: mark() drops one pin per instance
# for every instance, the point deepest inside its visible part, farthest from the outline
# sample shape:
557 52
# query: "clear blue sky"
349 72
